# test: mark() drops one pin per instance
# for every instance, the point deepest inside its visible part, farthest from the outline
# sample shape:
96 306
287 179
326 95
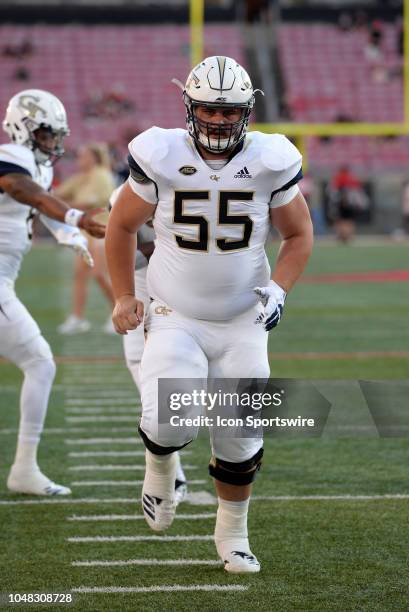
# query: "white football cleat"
180 491
34 483
73 325
158 513
238 562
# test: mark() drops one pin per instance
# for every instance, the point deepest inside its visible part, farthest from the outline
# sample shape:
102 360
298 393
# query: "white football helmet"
218 81
30 110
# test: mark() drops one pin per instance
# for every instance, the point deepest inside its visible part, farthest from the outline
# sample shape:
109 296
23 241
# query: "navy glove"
272 298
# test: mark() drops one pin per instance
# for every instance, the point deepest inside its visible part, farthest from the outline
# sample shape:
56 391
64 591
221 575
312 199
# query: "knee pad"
156 449
242 473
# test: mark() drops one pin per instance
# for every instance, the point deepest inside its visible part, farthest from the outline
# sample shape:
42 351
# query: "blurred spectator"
259 10
90 188
345 22
347 199
361 20
108 105
19 51
373 48
22 73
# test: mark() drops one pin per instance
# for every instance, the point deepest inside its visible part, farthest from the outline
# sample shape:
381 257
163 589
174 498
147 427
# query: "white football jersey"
211 225
15 222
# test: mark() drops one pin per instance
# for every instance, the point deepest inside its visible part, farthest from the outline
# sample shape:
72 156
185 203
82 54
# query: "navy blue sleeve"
136 172
287 186
8 168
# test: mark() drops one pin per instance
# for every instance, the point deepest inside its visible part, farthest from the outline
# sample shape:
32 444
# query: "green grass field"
344 549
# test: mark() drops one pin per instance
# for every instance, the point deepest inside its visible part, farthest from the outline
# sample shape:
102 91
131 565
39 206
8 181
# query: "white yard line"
116 468
81 393
76 430
141 538
173 562
101 419
84 454
96 441
70 500
103 411
119 483
103 401
128 500
285 498
171 588
141 453
136 517
84 380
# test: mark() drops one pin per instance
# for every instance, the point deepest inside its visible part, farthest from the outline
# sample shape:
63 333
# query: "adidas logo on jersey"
243 173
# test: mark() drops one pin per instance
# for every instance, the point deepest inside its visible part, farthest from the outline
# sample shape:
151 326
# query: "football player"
134 340
36 123
214 192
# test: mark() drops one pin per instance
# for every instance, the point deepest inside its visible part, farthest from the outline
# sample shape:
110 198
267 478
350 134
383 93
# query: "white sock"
180 475
160 475
26 453
35 392
231 527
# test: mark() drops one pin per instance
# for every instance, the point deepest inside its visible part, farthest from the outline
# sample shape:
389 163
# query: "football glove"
69 236
272 298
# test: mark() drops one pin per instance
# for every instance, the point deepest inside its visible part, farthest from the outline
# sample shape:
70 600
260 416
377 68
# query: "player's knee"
160 449
41 368
236 473
37 360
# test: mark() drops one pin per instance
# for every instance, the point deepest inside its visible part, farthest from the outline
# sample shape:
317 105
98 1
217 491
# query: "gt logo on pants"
163 310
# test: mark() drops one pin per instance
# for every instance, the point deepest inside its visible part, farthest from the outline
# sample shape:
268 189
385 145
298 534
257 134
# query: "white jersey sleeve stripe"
281 198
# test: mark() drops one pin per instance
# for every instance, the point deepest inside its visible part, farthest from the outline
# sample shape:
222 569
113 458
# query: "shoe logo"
163 310
243 173
214 177
187 170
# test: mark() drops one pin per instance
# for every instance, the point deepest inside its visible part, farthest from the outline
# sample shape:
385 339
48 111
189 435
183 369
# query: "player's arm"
22 188
293 222
294 225
126 217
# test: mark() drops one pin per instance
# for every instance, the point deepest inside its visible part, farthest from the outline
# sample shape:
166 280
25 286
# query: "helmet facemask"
217 137
44 154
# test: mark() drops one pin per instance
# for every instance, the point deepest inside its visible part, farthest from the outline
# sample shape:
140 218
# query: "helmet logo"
29 103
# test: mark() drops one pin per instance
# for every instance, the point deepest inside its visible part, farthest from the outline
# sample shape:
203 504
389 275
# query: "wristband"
72 216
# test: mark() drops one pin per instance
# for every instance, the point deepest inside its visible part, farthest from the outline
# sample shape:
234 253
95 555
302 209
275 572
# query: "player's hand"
127 314
88 223
80 245
272 298
76 241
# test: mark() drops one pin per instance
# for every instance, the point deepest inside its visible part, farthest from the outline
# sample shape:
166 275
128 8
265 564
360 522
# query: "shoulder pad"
278 153
149 147
19 156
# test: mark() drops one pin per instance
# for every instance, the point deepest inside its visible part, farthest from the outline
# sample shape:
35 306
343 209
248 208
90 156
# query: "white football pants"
21 342
180 347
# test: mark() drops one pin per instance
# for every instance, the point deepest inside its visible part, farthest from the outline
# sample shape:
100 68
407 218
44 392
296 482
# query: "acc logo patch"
187 170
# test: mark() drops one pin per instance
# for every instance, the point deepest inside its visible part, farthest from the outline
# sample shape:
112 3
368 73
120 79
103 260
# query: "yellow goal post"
300 131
